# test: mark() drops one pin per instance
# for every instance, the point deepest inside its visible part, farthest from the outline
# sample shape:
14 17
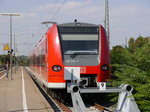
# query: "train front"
84 49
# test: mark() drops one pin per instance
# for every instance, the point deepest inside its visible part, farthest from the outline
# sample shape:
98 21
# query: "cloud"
28 15
69 10
125 20
129 10
81 8
128 14
128 21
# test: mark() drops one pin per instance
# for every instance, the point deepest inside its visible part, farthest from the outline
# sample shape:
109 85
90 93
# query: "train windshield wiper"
83 53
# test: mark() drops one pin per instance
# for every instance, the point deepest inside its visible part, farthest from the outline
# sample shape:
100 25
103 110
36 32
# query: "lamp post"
14 54
10 14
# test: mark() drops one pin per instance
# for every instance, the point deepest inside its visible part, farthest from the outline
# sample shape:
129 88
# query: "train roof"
80 24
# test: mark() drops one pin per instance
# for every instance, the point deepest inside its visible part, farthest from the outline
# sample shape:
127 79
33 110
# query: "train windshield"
79 40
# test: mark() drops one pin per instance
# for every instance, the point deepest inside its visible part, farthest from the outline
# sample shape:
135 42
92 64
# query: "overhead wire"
54 12
57 10
51 11
40 30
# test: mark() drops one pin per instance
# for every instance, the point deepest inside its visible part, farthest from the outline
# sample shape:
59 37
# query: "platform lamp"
10 14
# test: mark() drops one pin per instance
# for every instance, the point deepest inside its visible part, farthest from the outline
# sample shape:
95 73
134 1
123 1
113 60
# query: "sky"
128 18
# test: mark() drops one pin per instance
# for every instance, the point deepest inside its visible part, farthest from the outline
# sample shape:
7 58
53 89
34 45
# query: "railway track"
94 108
62 106
102 108
59 106
2 70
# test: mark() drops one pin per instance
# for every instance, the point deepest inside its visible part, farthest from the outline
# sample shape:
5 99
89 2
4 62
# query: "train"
82 47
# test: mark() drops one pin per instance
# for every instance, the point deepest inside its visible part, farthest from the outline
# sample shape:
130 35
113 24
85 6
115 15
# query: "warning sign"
6 47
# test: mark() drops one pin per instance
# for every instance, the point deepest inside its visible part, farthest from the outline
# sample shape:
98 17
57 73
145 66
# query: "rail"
126 102
2 69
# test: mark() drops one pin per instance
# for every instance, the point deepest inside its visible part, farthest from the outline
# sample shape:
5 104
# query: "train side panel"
55 79
38 60
43 60
104 57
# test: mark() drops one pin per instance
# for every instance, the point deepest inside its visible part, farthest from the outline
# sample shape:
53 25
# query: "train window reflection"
79 43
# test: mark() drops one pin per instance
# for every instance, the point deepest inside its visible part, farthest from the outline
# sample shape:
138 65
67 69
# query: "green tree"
117 55
4 58
132 66
131 43
139 42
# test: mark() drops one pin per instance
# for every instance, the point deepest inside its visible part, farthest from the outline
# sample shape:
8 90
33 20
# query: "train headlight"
56 68
104 67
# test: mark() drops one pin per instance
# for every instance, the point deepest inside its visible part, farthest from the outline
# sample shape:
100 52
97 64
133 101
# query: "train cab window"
79 40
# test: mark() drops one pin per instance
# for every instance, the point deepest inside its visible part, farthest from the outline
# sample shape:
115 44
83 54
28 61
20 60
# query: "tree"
4 58
132 66
117 55
139 42
131 43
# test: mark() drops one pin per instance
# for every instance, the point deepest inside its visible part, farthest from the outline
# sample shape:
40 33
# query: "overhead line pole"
107 19
10 14
15 54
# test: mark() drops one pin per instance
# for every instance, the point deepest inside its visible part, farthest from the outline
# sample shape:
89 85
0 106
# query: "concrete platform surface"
21 94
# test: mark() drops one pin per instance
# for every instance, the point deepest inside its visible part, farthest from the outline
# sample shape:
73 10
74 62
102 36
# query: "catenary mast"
107 19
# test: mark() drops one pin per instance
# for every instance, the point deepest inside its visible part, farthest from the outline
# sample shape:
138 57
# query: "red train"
78 45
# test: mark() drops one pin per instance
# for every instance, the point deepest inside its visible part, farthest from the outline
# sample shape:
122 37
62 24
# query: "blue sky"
128 18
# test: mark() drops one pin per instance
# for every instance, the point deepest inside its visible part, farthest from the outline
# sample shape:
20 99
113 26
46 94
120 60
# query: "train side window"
46 45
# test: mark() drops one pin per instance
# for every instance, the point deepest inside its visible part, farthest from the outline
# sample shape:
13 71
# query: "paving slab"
21 94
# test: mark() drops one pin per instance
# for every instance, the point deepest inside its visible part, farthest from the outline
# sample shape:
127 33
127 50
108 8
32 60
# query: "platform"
21 94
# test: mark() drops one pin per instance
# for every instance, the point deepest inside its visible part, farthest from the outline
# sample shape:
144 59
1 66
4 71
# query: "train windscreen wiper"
83 53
